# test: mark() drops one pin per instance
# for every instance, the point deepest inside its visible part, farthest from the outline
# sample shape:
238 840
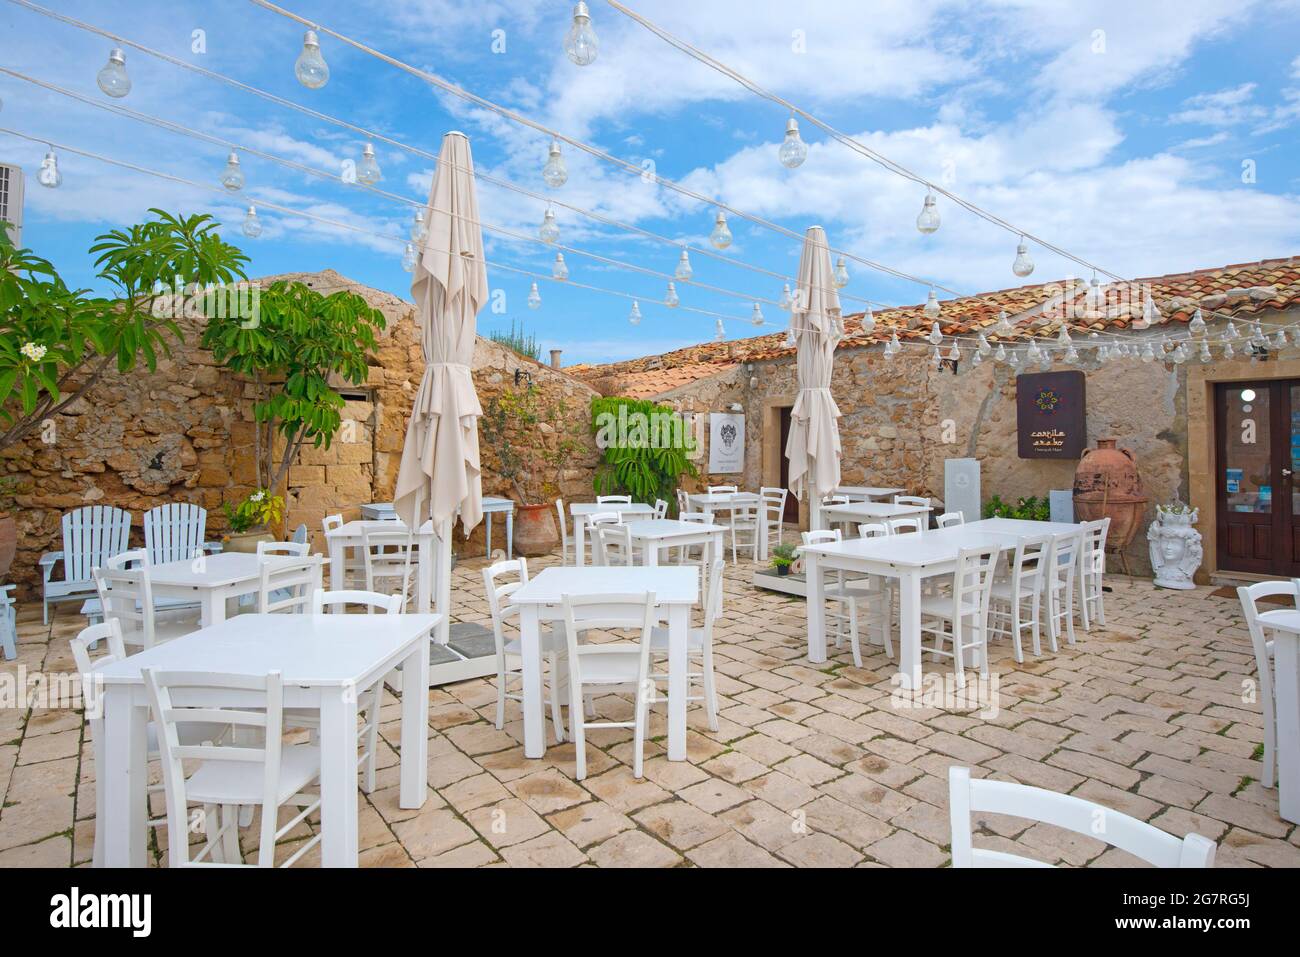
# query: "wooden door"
791 503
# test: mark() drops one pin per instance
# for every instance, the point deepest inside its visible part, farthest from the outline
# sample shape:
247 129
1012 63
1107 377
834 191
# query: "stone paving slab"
811 766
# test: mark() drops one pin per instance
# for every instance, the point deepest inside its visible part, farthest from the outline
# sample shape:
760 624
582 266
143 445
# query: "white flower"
257 496
33 351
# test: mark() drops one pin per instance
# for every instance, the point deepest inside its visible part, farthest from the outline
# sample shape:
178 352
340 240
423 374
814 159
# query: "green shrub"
1033 509
637 457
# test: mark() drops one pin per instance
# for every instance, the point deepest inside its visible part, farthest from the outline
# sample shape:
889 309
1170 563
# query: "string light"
1023 265
927 221
634 317
1004 326
534 297
868 321
684 271
786 301
48 175
548 232
580 44
310 68
793 150
721 235
1197 325
252 227
419 228
112 78
232 177
841 274
554 173
368 171
936 336
671 299
757 317
720 333
408 258
931 305
559 270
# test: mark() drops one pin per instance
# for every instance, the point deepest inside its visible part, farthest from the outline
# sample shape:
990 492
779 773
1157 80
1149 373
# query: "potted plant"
1031 509
1176 513
249 519
782 558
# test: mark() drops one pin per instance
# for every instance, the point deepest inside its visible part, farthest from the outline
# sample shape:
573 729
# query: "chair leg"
1035 628
230 832
1016 625
372 739
710 691
1270 742
958 656
642 704
853 632
501 694
1069 612
1084 618
556 719
577 729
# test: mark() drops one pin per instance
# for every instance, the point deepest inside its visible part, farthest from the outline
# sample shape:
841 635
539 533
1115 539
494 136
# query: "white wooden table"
352 535
324 661
1286 707
676 590
579 512
711 502
908 559
492 505
860 512
212 580
655 534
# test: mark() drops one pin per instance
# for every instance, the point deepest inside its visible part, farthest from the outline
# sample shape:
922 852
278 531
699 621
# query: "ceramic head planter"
1175 543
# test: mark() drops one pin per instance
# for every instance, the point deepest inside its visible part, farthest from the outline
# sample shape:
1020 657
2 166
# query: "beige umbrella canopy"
440 463
813 447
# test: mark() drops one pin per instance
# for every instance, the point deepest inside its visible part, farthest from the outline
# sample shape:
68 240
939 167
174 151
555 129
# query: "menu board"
1050 415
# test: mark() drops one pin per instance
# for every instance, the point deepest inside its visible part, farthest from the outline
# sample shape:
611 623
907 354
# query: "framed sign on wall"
1051 420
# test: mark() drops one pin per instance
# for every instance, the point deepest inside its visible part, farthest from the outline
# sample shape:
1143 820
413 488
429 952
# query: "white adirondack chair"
174 532
8 623
90 536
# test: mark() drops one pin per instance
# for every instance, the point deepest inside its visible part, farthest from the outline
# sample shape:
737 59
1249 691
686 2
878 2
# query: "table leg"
510 534
415 728
338 560
679 623
816 606
1286 691
579 540
338 777
487 532
815 518
909 628
531 653
650 549
122 779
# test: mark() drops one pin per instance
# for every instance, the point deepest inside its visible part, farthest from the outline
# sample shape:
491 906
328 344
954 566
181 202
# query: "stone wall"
185 433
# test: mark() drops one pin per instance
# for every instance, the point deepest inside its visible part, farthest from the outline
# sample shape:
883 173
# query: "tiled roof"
645 382
1238 290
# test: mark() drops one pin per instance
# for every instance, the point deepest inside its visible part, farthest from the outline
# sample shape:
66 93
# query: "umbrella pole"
442 580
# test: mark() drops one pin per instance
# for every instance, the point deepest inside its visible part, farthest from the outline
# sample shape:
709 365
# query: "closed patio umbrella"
440 462
813 447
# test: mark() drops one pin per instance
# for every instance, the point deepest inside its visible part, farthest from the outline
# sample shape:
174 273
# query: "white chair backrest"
700 517
613 499
713 595
614 544
92 535
821 536
114 649
873 530
1257 622
295 549
683 502
179 699
723 489
336 602
631 612
972 581
908 523
497 592
331 522
286 585
300 534
1028 561
390 556
564 524
661 508
949 519
967 796
125 594
1063 549
912 500
745 507
174 532
1093 549
833 499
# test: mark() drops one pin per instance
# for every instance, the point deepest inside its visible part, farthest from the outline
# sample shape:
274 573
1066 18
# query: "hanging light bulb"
684 271
368 172
1034 353
931 305
634 317
927 221
1205 355
954 353
671 299
112 78
48 175
560 270
1148 353
786 301
935 358
408 258
310 67
935 336
534 297
419 230
549 231
1257 336
721 235
757 316
1150 314
1197 326
976 360
1072 355
252 227
1063 337
1279 340
232 177
868 321
1228 351
581 45
1004 326
1001 354
1180 353
793 150
554 172
983 348
1023 265
719 334
891 349
790 343
841 274
1013 359
1231 331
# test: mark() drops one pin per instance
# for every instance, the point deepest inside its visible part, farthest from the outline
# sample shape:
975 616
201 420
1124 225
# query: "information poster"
1050 420
726 442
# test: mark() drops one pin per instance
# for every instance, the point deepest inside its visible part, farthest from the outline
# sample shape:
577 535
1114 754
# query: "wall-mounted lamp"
521 375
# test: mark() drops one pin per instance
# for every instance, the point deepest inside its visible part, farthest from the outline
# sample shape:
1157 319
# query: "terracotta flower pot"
246 541
8 544
1107 484
535 532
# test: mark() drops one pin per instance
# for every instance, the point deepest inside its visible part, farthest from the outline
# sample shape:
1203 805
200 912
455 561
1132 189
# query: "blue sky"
1117 130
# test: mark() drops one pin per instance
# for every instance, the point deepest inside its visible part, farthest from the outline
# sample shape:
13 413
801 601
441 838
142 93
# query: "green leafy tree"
57 343
532 438
648 461
300 342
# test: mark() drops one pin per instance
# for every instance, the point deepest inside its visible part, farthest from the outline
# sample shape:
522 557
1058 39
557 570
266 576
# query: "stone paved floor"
811 766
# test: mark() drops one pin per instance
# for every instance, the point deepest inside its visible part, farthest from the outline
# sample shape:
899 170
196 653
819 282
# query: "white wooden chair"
8 623
230 776
566 549
908 523
962 617
692 554
614 544
508 649
845 618
354 565
175 532
746 521
91 535
873 530
683 502
773 512
286 584
1058 585
1262 643
1090 573
699 646
126 595
613 499
920 500
661 508
391 560
967 796
1023 584
832 521
723 489
609 665
594 522
950 519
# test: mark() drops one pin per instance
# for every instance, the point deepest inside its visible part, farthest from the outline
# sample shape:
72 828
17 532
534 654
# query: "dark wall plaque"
1050 415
